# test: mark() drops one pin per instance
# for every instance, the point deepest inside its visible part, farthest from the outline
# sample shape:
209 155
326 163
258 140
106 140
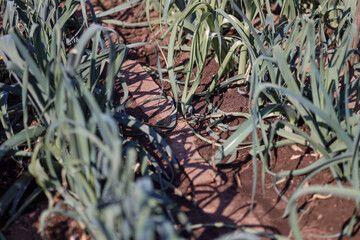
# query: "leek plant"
208 22
305 79
65 69
299 75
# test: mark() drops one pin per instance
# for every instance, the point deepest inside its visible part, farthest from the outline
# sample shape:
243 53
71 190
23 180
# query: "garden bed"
214 195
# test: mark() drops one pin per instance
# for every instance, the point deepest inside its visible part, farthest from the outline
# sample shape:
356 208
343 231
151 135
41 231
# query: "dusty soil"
230 202
59 227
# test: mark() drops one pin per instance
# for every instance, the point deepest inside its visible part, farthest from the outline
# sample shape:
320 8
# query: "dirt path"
218 199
